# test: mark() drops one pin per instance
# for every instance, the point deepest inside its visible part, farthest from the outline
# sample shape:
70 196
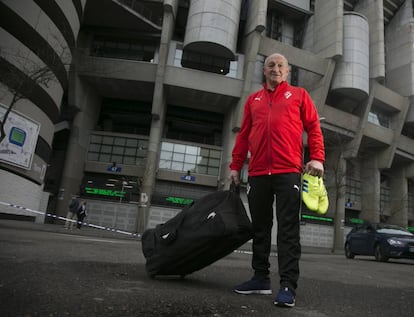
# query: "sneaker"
254 286
285 297
323 198
310 191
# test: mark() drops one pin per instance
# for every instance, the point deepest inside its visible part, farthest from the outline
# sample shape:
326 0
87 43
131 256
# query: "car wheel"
379 256
348 253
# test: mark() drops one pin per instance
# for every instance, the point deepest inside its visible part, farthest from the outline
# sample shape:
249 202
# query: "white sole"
285 304
260 292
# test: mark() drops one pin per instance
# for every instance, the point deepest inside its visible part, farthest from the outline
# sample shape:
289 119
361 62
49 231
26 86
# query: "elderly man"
274 120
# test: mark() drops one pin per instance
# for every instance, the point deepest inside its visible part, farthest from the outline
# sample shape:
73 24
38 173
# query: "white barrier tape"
70 220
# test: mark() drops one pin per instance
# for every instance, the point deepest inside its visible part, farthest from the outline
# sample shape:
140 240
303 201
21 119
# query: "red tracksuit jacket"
272 128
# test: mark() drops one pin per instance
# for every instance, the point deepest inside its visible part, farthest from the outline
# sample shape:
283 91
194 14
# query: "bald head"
276 55
275 70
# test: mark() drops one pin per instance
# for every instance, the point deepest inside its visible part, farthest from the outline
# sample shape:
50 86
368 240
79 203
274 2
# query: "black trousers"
81 216
261 193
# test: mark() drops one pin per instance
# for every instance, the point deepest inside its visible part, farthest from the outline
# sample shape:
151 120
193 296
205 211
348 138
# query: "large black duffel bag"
200 234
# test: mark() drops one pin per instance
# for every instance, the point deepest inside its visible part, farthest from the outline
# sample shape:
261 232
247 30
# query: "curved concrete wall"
352 70
212 27
31 40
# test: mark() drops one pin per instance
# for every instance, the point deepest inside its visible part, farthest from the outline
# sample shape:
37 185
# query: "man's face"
275 70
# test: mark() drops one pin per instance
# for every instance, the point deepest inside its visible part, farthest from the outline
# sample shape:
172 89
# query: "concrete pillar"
370 190
335 182
328 28
249 67
84 122
159 109
399 198
252 37
255 25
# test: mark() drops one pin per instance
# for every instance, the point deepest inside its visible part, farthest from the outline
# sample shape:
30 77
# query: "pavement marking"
106 240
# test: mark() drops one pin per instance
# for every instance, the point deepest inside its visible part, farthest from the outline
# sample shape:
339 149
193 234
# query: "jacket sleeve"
311 124
241 146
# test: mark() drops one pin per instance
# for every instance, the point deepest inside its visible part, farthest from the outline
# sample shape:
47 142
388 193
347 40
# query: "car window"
354 229
361 230
394 231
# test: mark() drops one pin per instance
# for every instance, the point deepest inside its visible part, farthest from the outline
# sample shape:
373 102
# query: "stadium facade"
135 105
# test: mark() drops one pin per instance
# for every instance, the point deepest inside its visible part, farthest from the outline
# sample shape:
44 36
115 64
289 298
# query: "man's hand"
314 168
235 177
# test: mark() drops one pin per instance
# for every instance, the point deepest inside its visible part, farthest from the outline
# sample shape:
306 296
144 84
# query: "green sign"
317 218
356 221
104 192
179 200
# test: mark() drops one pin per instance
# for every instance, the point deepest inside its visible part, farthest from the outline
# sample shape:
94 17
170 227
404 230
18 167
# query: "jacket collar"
283 84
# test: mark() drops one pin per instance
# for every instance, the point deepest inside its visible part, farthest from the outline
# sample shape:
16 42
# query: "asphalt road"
48 271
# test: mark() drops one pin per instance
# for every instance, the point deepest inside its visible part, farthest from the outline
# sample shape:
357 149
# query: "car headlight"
395 242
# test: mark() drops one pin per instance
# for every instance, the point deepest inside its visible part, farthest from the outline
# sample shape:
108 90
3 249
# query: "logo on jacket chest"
287 95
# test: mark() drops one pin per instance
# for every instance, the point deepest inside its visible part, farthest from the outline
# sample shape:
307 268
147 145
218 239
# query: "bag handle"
235 188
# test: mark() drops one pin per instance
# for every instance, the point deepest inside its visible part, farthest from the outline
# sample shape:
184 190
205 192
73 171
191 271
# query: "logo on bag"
211 215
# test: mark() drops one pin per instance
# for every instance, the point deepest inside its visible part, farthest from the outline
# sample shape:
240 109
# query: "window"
379 118
194 125
120 149
131 50
274 26
384 198
233 69
197 159
352 192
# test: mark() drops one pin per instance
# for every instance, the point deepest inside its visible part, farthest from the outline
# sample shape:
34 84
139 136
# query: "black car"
383 241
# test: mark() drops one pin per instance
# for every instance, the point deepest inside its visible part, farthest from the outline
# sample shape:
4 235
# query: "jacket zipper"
269 143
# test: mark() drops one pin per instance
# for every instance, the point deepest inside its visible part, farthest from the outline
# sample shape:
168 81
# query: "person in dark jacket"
81 213
273 123
71 216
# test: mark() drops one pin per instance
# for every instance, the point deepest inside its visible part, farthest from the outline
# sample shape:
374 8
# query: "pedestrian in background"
71 217
274 120
81 213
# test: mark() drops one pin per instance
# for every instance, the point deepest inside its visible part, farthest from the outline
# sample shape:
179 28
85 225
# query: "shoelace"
321 187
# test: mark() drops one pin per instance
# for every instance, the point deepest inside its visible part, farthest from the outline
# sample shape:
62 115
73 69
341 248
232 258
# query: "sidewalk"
59 228
111 234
